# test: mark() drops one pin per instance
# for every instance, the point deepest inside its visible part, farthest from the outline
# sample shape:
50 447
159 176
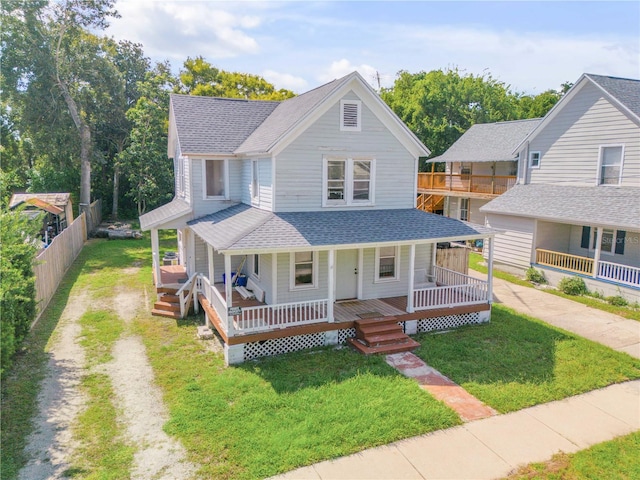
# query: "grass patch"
516 361
622 311
616 459
270 416
477 263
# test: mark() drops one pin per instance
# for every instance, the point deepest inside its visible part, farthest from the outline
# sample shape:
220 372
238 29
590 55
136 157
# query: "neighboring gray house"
576 209
313 200
479 166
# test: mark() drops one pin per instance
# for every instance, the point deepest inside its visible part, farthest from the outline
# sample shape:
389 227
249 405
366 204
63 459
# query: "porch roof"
244 228
176 208
606 206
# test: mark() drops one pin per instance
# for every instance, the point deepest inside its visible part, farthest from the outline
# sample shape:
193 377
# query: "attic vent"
350 115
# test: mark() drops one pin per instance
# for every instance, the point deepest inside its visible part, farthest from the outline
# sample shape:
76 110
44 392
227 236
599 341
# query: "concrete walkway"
611 330
493 447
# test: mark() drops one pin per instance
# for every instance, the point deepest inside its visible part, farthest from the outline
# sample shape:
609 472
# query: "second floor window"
534 159
610 165
464 209
215 181
255 180
348 181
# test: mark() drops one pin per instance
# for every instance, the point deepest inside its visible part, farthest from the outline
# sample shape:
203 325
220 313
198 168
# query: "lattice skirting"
345 333
450 321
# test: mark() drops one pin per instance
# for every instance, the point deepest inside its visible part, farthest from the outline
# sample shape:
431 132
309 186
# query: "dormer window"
350 115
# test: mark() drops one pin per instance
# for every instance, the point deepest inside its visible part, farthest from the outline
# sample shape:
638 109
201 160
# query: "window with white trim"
534 159
464 209
255 180
180 161
304 270
610 165
607 242
387 263
350 115
216 179
348 181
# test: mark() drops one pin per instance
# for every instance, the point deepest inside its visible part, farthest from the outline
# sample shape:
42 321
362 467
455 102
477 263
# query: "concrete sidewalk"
495 446
611 330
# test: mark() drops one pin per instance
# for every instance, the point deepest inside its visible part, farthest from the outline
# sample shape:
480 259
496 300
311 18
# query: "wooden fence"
54 261
454 258
94 216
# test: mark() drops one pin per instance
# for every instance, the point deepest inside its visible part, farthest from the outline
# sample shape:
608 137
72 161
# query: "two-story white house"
312 200
576 208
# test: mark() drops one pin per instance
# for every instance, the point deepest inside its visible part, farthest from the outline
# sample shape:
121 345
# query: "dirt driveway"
51 446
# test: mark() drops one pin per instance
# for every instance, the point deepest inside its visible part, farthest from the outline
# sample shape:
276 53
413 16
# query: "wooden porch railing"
215 299
456 289
619 273
185 294
565 261
253 319
457 182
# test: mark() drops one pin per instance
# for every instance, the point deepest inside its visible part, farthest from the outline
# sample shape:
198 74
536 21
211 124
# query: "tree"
201 78
144 162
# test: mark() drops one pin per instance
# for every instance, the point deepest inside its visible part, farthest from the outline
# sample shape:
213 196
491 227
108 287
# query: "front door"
346 274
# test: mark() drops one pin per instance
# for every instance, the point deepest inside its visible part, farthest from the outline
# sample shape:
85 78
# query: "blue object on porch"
240 282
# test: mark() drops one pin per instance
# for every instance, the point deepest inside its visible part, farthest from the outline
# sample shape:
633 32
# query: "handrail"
184 301
474 183
565 261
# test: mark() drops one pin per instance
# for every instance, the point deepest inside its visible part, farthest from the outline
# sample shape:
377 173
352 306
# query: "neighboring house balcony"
464 185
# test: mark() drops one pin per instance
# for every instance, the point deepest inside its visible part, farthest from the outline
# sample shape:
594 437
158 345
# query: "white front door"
346 274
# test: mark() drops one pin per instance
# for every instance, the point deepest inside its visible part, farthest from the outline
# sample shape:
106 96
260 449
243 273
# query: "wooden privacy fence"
454 258
94 215
53 262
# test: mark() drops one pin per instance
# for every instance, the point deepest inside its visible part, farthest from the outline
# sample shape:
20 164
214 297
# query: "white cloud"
342 67
285 80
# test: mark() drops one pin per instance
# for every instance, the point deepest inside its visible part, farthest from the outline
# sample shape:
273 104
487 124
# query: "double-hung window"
255 181
256 266
348 181
181 174
534 159
304 270
610 164
464 209
387 263
216 179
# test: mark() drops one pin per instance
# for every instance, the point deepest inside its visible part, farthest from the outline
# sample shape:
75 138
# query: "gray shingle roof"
625 90
170 211
208 125
488 142
245 228
285 116
617 207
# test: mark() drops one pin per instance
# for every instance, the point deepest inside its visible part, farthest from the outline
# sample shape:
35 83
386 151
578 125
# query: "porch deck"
171 275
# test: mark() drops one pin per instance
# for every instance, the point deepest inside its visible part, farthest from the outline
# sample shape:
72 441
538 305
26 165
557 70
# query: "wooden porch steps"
381 336
168 304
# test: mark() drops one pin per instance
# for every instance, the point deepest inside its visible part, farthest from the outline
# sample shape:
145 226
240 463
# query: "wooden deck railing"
185 295
456 182
214 297
565 261
264 317
456 289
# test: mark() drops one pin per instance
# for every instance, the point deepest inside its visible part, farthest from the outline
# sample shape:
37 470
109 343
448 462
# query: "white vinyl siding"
570 143
514 246
299 168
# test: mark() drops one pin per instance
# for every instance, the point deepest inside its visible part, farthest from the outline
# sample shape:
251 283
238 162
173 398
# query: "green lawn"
613 460
516 361
270 416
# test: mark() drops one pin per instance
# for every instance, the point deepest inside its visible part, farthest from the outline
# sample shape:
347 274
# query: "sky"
529 46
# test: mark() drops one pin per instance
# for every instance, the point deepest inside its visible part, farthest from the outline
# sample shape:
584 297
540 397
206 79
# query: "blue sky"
531 46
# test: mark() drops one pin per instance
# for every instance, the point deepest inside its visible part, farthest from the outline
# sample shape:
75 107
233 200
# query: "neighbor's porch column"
412 265
490 270
596 253
155 255
331 272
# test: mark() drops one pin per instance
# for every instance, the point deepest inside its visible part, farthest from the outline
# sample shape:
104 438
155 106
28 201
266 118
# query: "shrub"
535 276
572 286
618 301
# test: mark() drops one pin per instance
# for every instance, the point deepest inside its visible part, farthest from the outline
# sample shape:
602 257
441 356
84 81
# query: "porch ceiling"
243 228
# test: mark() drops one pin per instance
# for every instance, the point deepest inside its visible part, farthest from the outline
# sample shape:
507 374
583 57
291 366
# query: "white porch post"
434 256
490 271
228 291
331 267
211 273
155 253
412 264
274 278
596 254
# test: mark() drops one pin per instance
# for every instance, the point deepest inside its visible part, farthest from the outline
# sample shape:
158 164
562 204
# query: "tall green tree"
199 77
144 161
